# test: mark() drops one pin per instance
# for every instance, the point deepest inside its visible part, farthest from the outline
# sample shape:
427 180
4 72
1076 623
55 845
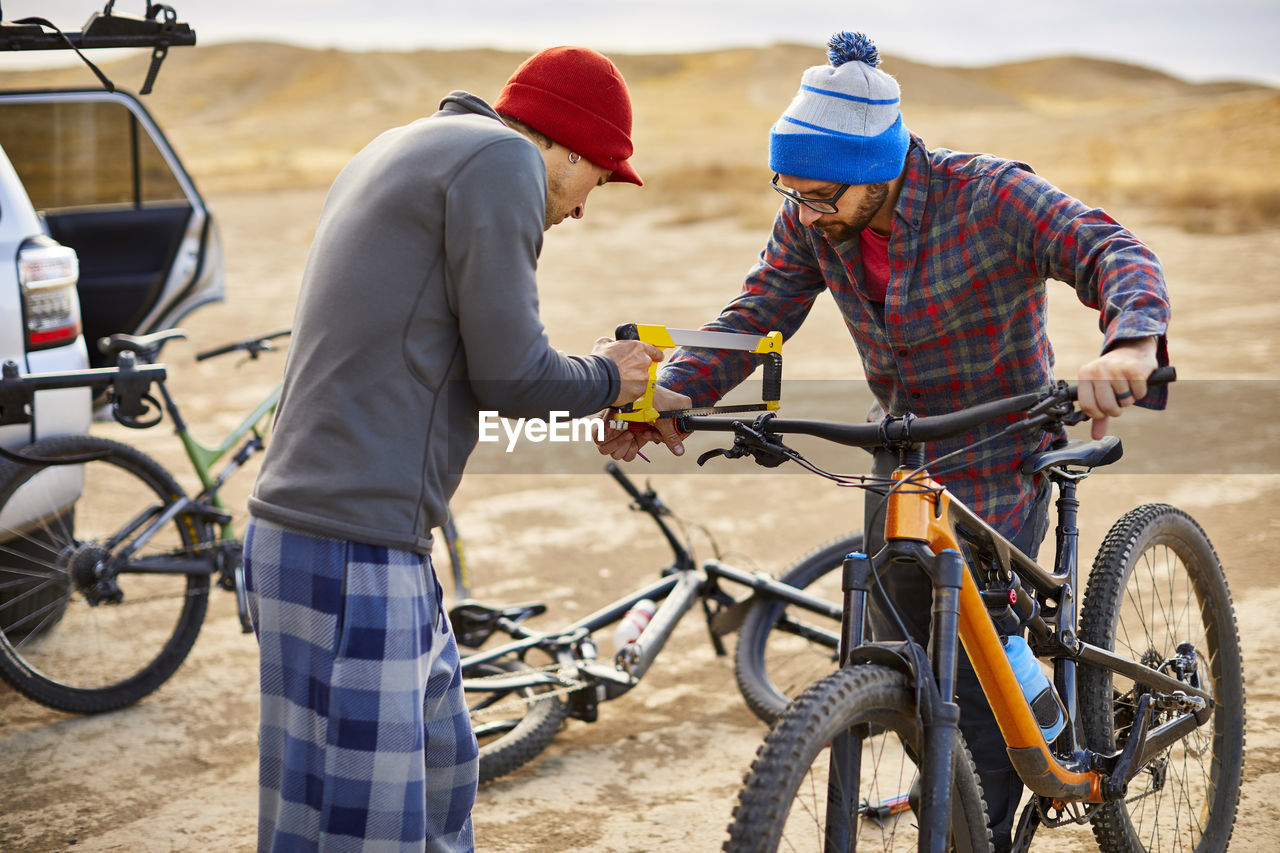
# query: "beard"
555 207
840 230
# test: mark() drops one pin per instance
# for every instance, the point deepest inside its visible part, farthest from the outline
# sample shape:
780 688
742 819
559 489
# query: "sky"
1197 40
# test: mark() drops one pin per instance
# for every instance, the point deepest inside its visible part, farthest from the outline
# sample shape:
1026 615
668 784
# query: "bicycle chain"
1054 823
150 598
562 692
1089 809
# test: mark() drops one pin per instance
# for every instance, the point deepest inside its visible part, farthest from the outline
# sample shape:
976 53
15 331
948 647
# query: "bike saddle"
473 622
144 344
1083 454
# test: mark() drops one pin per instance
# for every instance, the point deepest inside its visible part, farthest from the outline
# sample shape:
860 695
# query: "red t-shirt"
875 263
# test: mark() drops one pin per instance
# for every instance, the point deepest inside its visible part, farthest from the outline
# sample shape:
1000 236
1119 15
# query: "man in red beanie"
418 309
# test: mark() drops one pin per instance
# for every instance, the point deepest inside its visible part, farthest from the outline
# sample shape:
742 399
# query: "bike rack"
159 30
128 382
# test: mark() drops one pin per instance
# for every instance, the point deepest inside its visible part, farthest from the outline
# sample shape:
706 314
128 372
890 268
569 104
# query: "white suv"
94 204
40 326
101 231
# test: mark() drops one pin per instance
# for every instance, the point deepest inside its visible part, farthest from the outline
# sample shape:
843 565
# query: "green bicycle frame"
204 457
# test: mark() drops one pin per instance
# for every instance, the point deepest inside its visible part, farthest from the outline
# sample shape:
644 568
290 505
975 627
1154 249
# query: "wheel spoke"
785 800
1156 576
76 635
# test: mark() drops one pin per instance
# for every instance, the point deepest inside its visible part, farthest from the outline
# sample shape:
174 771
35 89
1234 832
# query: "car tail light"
48 273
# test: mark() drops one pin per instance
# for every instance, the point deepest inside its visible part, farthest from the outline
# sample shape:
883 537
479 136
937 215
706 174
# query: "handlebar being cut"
1043 408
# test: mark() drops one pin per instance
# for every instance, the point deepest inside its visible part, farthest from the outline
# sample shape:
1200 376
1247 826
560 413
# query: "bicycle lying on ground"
109 587
521 690
1151 745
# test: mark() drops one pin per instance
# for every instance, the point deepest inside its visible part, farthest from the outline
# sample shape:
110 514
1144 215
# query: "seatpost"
179 425
1067 564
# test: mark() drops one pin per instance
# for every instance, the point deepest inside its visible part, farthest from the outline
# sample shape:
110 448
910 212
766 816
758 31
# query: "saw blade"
714 410
698 338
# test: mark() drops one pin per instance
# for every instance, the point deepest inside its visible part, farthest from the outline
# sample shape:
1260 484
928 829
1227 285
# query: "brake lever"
767 451
726 452
1054 409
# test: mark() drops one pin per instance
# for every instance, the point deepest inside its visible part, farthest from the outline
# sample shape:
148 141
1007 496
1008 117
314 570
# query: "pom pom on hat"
852 47
845 124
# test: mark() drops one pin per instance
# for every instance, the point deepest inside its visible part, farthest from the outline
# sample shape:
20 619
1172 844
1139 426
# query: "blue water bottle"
1043 699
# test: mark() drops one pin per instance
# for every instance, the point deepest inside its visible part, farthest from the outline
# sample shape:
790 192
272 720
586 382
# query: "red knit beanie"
578 98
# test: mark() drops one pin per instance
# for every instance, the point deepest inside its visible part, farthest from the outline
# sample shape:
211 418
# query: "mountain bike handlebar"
253 346
649 503
1053 405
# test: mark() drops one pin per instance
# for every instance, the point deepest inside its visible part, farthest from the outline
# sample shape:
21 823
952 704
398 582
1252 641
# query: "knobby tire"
1157 583
523 729
773 663
57 647
783 802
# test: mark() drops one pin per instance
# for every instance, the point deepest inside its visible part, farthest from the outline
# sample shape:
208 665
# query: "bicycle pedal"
211 515
728 619
885 809
610 674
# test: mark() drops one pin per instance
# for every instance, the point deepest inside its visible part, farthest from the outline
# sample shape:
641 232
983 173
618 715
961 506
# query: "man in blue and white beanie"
937 262
845 123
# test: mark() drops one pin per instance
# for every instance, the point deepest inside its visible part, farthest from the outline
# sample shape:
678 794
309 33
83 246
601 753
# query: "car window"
76 154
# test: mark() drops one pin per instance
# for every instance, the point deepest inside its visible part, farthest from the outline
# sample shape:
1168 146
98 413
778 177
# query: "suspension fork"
939 714
940 718
845 771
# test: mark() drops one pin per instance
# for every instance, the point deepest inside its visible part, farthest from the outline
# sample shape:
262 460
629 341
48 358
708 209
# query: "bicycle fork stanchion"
856 583
939 714
844 774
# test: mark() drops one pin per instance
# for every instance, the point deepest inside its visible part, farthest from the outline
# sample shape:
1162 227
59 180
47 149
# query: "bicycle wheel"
1157 585
512 725
783 804
782 648
80 629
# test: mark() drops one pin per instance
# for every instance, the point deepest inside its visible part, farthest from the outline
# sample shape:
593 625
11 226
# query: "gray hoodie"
418 309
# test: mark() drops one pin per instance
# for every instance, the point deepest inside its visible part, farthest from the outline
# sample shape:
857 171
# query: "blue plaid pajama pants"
364 739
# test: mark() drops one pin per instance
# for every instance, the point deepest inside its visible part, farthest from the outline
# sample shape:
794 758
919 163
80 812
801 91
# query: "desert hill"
264 127
263 115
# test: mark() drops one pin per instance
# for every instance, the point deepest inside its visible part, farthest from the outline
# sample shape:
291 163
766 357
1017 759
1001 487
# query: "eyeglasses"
821 205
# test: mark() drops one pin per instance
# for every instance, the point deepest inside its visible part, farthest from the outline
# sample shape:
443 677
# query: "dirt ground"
660 769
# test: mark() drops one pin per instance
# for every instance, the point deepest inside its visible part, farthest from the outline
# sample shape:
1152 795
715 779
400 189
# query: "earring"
574 158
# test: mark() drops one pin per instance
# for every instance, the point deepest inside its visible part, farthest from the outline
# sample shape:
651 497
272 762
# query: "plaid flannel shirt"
974 239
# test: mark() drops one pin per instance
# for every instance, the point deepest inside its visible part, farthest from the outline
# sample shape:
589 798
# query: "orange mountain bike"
1146 741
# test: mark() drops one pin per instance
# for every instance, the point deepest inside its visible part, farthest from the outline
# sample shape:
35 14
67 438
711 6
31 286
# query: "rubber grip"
623 480
626 332
771 387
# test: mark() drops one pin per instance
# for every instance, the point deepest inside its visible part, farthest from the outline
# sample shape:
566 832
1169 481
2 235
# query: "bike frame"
678 590
206 506
203 457
925 525
682 584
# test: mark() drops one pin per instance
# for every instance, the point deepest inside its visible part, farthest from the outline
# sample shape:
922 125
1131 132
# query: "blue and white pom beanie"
845 124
